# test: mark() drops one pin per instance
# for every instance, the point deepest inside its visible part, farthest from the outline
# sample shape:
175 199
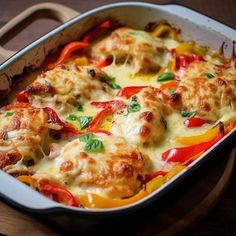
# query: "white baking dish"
194 26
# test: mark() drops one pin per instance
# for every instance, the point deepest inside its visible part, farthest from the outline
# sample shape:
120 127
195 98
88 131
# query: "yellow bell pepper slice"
205 137
164 30
190 48
92 200
158 181
26 179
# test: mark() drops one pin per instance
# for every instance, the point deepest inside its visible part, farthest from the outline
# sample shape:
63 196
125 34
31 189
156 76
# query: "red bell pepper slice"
57 193
184 60
152 175
67 51
101 64
98 118
94 32
22 97
114 105
194 122
130 91
100 131
53 117
184 154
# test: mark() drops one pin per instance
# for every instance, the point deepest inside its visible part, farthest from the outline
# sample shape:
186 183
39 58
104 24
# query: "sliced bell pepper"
113 104
93 125
194 122
130 91
53 117
100 131
165 30
94 32
184 60
22 96
102 63
27 179
61 195
67 51
152 175
196 139
159 180
92 200
185 154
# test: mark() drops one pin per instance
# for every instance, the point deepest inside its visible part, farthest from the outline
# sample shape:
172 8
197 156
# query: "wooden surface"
221 220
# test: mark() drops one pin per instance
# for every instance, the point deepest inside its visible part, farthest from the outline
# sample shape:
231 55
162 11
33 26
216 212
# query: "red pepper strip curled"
113 104
67 51
57 193
98 119
101 64
22 97
94 33
53 117
184 154
152 175
130 91
184 60
194 122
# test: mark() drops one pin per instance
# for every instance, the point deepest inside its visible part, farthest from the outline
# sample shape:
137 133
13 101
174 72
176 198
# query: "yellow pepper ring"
164 31
92 200
205 137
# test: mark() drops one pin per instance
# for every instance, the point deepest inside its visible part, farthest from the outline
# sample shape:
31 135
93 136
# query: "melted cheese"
139 137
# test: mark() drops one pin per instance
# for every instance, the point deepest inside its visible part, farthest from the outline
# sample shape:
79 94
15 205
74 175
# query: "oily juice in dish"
117 114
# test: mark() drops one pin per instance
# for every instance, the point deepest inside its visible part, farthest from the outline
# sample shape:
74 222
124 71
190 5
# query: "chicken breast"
62 89
145 125
146 53
23 132
115 171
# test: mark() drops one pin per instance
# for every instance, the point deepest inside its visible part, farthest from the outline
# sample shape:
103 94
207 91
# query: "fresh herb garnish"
10 113
111 82
114 85
84 121
86 137
165 77
79 107
72 117
5 135
109 78
134 106
188 113
94 145
209 75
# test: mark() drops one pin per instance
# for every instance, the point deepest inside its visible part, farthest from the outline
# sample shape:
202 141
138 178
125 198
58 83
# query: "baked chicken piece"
147 54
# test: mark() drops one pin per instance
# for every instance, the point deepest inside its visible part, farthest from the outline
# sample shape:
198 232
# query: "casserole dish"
118 11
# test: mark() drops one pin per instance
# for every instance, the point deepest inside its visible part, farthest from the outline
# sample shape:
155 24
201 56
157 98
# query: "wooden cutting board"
181 214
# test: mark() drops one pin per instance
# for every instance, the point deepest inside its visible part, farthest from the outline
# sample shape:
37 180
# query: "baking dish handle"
25 18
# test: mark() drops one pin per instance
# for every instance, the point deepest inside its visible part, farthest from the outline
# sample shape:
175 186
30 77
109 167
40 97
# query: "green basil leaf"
134 107
114 85
86 137
84 121
10 113
94 145
109 78
72 117
5 135
209 75
188 113
79 107
165 77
